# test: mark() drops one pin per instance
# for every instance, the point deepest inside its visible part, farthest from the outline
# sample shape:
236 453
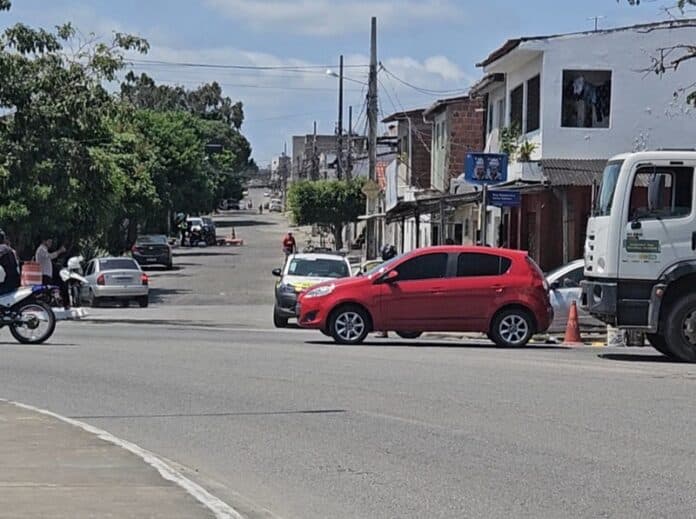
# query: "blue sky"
433 44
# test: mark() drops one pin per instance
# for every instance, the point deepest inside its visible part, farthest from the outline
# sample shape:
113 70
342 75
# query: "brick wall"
465 126
420 148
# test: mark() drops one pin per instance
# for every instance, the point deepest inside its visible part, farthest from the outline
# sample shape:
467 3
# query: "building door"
532 236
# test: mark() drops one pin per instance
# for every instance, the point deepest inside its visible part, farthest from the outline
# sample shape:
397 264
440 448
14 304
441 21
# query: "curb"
219 508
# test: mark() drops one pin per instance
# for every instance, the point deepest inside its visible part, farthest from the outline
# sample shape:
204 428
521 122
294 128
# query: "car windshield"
118 264
319 267
159 239
552 275
610 177
195 221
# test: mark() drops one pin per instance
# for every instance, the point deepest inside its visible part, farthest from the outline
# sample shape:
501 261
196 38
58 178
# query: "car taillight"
144 279
135 249
101 280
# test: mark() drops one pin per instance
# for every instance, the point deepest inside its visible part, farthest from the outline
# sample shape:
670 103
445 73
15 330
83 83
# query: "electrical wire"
239 67
422 90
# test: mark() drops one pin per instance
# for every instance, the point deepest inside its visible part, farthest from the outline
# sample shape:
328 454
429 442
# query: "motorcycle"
31 321
72 276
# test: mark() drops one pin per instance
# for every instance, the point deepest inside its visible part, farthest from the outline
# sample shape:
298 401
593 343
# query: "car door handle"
498 289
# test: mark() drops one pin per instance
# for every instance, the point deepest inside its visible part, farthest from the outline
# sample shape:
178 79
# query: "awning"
431 204
375 216
572 172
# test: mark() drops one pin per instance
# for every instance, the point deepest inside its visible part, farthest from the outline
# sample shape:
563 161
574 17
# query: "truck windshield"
610 177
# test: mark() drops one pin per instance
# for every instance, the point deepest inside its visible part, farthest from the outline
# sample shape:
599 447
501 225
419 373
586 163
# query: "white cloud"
331 17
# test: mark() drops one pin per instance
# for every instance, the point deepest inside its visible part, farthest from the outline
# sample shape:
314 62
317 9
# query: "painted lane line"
220 509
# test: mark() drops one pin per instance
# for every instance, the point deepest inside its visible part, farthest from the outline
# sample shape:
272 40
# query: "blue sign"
486 168
504 198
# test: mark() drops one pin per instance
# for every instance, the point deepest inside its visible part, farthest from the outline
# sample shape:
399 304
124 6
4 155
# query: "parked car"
276 206
500 292
153 249
302 271
564 288
115 279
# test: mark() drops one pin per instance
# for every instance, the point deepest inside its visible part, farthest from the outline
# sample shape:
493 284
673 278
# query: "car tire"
349 324
94 300
279 321
409 335
143 301
512 328
681 315
660 344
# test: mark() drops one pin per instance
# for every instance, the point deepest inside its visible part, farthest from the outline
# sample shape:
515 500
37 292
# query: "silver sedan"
564 283
115 279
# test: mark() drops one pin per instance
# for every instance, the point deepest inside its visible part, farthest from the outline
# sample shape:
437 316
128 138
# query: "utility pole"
315 161
370 235
339 138
349 159
284 177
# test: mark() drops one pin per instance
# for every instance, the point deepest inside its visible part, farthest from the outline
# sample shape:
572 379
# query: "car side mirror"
390 277
277 272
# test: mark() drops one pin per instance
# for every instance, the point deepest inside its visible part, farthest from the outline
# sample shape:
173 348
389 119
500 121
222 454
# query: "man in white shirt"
45 259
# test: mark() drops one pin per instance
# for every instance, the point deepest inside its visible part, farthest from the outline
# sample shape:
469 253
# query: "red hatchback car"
500 292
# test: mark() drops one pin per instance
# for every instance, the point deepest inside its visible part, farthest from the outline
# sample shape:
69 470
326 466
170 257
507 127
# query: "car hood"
347 282
303 282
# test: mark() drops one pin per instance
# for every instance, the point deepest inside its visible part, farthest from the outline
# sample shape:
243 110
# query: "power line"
237 67
426 91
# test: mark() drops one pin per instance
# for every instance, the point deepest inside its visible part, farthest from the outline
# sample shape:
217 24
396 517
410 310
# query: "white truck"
640 249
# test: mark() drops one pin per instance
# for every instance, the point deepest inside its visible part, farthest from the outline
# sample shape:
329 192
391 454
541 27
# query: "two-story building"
423 203
579 99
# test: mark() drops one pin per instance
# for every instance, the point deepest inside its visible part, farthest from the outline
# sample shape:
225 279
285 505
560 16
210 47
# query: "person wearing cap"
289 244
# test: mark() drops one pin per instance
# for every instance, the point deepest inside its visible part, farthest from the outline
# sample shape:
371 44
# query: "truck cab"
640 249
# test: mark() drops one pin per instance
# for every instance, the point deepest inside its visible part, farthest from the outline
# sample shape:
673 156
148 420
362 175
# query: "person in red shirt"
289 245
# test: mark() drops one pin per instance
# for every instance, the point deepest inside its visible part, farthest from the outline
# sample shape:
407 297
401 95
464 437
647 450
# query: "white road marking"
221 509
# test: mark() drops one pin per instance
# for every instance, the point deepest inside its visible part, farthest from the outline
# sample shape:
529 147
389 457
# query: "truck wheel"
658 342
680 329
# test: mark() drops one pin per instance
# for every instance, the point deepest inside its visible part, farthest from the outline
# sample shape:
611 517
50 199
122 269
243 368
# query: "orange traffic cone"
572 334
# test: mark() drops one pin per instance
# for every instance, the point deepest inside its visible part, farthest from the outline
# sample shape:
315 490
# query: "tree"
670 58
327 203
56 175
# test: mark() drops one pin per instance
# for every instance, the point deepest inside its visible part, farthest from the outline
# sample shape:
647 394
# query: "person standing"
9 266
45 259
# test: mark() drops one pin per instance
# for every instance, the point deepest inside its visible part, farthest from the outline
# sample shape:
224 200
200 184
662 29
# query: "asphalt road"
287 422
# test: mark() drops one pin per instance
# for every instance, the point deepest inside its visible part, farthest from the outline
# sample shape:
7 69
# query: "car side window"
572 278
474 264
427 266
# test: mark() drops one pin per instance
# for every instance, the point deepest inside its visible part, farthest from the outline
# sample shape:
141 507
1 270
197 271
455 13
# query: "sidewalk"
51 468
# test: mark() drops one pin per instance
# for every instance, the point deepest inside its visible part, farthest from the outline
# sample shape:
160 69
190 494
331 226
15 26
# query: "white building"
586 95
580 99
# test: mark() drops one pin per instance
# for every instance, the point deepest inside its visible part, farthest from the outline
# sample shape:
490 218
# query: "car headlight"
320 291
290 289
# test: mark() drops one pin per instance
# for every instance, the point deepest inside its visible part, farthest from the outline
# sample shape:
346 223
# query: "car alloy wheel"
349 326
513 329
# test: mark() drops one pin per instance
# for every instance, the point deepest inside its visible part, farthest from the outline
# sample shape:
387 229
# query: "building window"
501 113
586 101
516 106
490 117
458 238
533 104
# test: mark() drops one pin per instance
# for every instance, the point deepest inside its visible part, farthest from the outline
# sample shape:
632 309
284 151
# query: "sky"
431 44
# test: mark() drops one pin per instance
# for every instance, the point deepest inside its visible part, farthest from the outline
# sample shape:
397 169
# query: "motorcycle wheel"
37 323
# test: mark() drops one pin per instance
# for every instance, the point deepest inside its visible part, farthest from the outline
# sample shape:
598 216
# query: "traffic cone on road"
572 333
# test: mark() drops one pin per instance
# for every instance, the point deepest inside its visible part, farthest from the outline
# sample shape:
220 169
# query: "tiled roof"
573 172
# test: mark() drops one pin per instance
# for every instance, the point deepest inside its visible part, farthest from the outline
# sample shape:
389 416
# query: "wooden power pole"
370 234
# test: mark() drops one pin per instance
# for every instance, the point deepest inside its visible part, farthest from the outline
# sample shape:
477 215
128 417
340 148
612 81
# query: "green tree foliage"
328 203
54 175
87 166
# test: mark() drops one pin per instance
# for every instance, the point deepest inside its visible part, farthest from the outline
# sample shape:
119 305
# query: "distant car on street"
302 271
500 292
564 288
276 206
115 279
153 249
